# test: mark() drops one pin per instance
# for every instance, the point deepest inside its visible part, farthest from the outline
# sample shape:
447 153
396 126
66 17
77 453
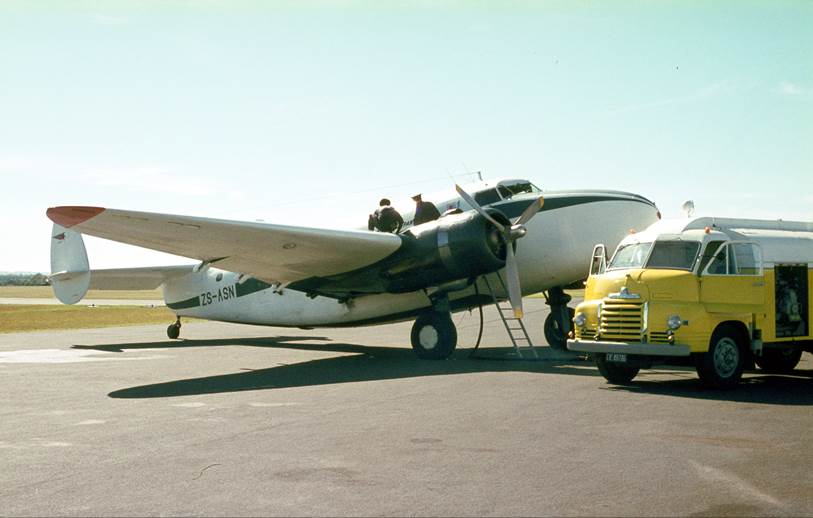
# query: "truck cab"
716 293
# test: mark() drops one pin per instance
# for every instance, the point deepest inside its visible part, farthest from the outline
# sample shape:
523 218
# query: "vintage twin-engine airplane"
287 276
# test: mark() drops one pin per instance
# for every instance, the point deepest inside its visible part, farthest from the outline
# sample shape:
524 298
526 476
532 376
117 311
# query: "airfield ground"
239 420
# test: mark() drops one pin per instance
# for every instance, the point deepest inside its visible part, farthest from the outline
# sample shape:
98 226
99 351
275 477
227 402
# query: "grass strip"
21 317
45 292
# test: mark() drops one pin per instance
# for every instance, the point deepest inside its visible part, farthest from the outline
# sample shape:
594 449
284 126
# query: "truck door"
733 281
598 264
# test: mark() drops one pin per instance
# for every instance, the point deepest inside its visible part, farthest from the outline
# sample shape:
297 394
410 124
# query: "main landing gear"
559 322
434 336
174 330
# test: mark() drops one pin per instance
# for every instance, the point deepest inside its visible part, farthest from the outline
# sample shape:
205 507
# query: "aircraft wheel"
553 328
174 330
779 361
434 336
613 372
721 367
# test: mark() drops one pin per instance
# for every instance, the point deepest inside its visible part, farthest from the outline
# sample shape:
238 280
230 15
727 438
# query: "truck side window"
747 258
708 253
718 264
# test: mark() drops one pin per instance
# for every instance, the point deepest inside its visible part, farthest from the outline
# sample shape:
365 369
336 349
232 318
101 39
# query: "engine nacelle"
457 246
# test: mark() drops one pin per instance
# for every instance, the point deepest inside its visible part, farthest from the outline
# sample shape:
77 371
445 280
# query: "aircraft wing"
272 253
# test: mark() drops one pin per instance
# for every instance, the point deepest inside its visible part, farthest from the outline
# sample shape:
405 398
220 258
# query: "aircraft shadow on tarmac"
362 363
367 363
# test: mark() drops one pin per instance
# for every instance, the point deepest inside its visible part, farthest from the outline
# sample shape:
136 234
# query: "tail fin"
70 271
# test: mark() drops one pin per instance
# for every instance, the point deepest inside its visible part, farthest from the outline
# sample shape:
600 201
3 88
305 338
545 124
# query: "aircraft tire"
434 336
553 329
779 361
613 372
174 331
721 367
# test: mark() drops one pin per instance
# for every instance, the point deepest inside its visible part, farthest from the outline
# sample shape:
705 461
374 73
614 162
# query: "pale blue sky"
309 112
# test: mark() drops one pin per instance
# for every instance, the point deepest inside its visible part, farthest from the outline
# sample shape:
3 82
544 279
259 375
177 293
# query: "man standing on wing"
424 210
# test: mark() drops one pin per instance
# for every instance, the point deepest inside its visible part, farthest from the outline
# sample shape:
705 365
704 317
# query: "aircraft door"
733 281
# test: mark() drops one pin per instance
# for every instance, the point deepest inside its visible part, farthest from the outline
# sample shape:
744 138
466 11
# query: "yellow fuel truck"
716 293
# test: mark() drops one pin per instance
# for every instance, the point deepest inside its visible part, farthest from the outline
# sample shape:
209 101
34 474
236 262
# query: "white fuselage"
555 252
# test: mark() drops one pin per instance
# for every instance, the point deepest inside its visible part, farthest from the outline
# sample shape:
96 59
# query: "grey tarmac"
238 420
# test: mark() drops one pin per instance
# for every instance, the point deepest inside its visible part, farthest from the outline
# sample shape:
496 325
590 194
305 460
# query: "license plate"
617 357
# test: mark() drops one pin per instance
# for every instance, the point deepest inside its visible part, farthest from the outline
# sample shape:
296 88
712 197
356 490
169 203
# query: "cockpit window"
630 256
508 191
679 255
487 197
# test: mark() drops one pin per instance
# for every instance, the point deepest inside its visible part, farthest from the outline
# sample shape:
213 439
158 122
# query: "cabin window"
679 255
630 256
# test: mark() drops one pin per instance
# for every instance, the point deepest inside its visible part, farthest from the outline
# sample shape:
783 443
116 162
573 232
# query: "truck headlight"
580 319
673 322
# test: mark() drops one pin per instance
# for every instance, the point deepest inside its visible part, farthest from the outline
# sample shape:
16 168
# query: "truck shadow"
358 363
756 388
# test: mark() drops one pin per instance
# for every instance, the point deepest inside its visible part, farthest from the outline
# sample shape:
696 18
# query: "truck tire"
779 361
721 367
615 373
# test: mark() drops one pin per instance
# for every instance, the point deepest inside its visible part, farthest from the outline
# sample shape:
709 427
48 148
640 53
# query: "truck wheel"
615 373
434 336
553 329
779 361
721 367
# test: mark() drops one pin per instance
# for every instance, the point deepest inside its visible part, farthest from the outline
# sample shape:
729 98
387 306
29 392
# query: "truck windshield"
630 256
679 255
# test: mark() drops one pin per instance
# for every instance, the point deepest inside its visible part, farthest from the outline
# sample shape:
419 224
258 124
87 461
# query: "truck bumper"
644 349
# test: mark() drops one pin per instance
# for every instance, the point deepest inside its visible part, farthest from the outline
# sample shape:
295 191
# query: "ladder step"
506 312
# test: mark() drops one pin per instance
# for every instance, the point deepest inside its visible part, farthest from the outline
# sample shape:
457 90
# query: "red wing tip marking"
70 216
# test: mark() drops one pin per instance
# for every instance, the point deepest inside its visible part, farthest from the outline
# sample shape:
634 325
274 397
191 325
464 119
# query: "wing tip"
69 216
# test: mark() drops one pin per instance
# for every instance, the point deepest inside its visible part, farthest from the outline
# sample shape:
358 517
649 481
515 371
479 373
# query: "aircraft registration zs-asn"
288 276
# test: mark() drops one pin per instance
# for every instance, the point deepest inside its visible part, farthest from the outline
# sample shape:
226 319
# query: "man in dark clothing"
424 210
385 218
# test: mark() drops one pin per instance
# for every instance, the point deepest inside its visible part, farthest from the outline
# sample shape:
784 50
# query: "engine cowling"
456 246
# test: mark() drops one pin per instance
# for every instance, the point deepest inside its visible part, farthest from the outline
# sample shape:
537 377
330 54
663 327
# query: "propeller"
510 234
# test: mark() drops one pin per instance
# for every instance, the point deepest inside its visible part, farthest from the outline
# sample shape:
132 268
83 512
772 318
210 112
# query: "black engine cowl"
456 246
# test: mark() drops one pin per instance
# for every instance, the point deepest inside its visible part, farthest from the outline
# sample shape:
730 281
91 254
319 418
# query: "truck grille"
659 337
622 320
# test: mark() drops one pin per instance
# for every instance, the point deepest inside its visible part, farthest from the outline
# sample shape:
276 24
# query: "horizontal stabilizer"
147 278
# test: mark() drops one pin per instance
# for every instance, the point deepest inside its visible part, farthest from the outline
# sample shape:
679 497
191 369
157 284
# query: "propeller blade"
463 194
512 274
531 211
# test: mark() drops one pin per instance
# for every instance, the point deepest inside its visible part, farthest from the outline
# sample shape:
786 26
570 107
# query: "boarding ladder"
513 325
